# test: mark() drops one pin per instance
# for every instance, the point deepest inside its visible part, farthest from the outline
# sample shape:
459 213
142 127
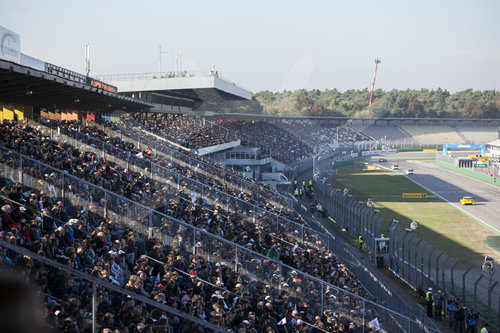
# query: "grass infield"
441 224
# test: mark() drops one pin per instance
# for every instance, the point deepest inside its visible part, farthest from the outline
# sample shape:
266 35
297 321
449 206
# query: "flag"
139 154
157 280
374 323
282 321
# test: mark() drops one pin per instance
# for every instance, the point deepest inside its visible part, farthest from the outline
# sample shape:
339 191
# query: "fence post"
475 290
20 171
105 204
150 229
408 275
94 307
402 259
415 268
322 295
452 278
429 263
364 310
235 259
442 274
489 298
437 268
463 283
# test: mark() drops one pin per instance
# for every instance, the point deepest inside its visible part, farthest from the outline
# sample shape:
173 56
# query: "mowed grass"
441 224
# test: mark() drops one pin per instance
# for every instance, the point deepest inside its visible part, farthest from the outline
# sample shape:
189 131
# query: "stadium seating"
434 134
389 133
271 139
478 135
183 130
217 307
314 134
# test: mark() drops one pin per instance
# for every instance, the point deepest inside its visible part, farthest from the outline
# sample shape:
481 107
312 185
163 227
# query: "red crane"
377 61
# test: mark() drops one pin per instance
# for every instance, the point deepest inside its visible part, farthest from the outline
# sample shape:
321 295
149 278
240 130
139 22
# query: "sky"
272 45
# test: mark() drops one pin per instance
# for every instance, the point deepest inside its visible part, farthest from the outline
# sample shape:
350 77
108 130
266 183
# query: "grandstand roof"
495 143
26 85
191 87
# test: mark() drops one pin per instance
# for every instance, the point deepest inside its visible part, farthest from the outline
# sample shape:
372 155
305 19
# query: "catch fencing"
78 194
420 264
100 284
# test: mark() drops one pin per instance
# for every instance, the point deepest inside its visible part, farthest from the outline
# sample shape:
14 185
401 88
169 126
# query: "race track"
451 186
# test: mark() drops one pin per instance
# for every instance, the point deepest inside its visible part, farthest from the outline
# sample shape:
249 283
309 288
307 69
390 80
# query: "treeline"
422 103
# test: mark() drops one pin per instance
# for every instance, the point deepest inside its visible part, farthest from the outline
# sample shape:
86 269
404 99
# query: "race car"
467 201
409 172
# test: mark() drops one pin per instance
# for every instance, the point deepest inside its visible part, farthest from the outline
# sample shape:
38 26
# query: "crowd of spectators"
272 140
180 164
229 307
130 131
281 145
315 133
187 132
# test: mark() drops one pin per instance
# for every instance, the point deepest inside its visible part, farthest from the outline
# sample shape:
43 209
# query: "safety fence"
99 286
253 266
401 144
353 216
422 265
417 262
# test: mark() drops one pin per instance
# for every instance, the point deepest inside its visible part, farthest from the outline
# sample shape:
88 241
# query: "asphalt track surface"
451 186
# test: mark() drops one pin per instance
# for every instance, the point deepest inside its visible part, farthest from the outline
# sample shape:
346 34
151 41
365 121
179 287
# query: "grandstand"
315 133
389 133
478 134
433 134
50 184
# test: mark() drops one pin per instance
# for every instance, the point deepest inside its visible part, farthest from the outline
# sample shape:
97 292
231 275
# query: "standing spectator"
485 328
438 304
459 318
472 320
429 299
452 308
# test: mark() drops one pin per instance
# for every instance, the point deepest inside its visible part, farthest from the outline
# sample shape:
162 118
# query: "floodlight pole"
87 59
159 58
377 61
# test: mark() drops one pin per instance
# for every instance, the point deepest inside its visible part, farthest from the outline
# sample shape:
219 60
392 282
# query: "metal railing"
75 192
96 283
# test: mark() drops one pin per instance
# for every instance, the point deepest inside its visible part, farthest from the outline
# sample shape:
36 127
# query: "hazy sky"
273 45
